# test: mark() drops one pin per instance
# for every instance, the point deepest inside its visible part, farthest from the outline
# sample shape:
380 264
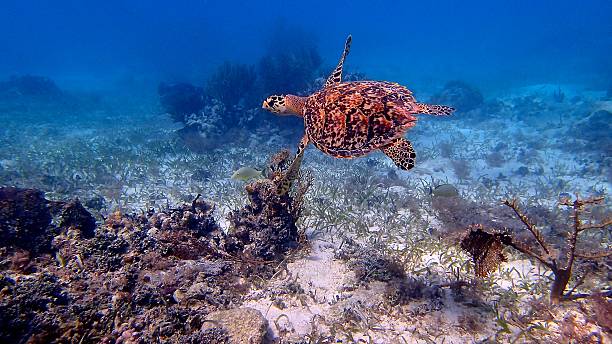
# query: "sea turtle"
351 119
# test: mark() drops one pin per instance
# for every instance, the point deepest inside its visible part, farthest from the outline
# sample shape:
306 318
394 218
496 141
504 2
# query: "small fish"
445 190
60 259
246 173
79 261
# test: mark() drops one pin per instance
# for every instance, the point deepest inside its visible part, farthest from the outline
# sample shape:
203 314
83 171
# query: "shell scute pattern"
354 118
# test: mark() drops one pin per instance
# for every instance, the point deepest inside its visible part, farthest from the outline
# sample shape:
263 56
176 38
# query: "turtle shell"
351 119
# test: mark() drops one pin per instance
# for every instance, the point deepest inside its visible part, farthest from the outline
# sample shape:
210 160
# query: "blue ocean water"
140 177
480 41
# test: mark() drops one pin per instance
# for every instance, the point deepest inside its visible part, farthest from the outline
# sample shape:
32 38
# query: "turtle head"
285 105
276 104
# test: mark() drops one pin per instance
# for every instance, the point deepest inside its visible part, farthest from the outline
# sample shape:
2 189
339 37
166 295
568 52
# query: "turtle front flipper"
336 75
436 110
293 171
401 152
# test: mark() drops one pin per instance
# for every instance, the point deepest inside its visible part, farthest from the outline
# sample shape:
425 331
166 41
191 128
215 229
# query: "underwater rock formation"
74 216
29 86
266 227
242 325
595 130
140 278
180 99
29 221
170 276
459 95
23 306
25 220
40 96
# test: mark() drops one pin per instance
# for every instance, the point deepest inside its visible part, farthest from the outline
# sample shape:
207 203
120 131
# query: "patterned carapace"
351 119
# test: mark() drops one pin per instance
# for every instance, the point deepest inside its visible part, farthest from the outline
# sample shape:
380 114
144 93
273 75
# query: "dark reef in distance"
180 99
231 98
459 95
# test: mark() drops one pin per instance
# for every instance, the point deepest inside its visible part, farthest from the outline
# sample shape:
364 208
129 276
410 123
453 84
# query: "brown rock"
244 325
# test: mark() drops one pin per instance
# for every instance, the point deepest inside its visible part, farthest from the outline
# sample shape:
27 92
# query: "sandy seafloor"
133 160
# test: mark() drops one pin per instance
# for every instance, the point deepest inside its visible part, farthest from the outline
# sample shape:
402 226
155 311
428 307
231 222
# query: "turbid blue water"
480 41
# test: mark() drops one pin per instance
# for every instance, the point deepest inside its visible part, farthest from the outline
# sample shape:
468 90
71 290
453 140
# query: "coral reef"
75 217
558 95
233 85
266 228
169 276
160 269
157 267
29 86
460 95
25 220
23 306
231 97
180 99
594 130
39 97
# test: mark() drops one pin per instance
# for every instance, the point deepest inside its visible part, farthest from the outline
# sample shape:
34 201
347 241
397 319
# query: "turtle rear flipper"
402 153
336 75
436 110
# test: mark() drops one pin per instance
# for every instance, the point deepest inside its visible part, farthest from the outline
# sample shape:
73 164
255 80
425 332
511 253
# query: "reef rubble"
168 276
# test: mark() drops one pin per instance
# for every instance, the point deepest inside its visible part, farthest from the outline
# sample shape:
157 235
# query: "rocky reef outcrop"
25 220
459 94
180 99
594 129
169 276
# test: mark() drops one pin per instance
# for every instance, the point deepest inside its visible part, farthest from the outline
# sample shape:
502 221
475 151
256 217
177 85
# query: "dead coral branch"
484 245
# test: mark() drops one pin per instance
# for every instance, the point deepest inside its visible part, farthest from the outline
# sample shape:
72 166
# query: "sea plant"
232 83
485 245
289 70
180 99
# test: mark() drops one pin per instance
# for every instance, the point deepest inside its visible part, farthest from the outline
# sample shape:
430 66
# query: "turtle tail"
436 110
